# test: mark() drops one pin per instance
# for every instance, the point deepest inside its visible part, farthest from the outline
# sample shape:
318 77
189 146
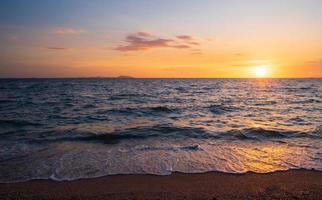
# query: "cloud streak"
144 41
57 48
67 31
188 39
317 63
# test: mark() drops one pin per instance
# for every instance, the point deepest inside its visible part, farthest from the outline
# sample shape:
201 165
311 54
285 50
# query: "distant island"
124 77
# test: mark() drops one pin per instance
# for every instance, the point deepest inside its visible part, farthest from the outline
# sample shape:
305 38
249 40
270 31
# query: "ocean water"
66 129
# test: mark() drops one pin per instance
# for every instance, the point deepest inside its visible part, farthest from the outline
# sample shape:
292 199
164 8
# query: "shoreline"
290 184
161 175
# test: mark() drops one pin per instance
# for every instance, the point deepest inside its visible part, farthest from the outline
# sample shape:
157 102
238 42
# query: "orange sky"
203 40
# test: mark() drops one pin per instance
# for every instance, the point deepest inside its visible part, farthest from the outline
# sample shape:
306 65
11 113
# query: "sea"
67 129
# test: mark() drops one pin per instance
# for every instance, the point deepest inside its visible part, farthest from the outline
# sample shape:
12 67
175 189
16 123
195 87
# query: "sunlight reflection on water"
81 128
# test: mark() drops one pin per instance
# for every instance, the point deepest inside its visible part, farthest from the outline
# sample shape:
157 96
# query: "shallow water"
67 129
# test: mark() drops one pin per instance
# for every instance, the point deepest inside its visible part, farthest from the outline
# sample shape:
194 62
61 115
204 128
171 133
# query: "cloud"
57 48
181 46
196 52
240 54
250 63
144 34
67 31
185 37
188 39
316 63
144 41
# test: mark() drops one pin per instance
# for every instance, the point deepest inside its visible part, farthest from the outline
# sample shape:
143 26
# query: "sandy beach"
293 184
160 100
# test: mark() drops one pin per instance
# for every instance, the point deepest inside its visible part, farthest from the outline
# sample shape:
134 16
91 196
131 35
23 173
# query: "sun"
260 71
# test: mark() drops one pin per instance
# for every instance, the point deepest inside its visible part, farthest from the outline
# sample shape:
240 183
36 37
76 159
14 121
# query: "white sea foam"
70 129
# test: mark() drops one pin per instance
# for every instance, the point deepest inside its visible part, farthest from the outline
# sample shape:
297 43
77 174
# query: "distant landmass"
124 77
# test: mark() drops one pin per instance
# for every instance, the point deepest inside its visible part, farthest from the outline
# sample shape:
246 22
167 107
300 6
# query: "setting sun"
260 71
154 94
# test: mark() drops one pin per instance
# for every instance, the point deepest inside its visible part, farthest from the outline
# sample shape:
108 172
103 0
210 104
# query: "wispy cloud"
317 62
196 52
188 39
57 48
144 41
67 31
143 34
181 46
249 63
240 54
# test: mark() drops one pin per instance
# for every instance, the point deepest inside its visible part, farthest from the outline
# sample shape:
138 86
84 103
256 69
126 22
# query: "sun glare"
260 71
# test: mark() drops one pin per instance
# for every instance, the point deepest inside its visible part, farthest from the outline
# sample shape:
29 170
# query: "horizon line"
131 77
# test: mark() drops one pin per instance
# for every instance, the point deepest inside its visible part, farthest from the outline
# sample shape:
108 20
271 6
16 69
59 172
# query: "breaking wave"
256 134
66 129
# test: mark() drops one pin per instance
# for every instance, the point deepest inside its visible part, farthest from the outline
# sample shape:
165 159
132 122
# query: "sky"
161 38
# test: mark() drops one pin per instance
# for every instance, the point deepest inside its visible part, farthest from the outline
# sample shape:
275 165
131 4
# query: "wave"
139 133
220 109
6 101
263 134
156 110
17 123
195 147
131 133
127 96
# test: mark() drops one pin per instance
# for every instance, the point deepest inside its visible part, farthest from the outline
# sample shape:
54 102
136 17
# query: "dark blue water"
67 129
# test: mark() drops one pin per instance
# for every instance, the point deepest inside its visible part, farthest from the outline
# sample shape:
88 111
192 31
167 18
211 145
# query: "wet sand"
293 184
